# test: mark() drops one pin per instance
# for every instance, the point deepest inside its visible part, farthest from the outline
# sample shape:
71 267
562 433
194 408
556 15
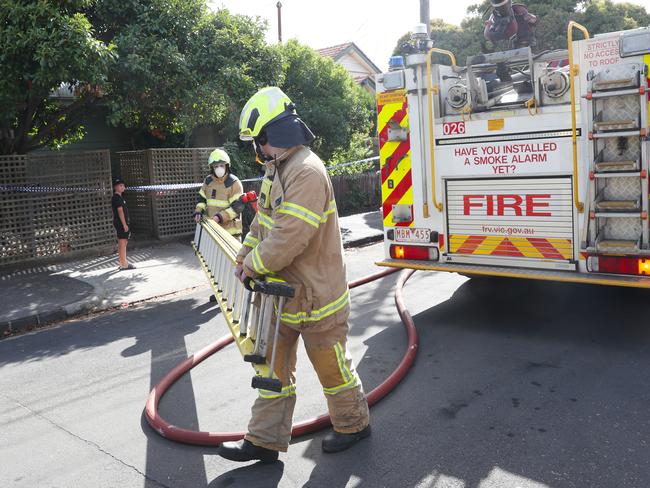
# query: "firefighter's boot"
336 441
247 451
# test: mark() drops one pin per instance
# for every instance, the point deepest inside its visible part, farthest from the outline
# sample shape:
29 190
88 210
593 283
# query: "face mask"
219 171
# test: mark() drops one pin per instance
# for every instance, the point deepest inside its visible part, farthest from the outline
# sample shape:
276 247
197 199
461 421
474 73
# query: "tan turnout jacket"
215 197
296 235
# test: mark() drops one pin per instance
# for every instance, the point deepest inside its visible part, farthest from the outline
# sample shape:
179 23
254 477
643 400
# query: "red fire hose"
201 438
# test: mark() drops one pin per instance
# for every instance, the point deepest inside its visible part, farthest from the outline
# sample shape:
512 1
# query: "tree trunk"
49 126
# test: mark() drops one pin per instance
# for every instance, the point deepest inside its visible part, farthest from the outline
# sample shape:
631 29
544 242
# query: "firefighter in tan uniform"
219 194
295 237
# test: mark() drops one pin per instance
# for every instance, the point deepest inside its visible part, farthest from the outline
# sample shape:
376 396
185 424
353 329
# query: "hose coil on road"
202 438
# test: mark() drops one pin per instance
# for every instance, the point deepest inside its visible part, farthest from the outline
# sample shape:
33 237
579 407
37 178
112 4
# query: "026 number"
452 128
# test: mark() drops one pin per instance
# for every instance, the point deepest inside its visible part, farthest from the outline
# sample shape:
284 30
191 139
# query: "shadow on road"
168 461
92 264
517 384
160 331
98 330
374 220
258 475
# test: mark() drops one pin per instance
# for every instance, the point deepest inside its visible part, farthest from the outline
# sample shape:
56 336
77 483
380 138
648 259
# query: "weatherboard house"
353 59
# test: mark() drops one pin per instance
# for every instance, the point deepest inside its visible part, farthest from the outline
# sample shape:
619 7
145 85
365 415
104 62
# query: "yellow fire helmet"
270 116
262 108
219 156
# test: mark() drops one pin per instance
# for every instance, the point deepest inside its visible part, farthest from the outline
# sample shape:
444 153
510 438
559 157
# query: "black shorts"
121 233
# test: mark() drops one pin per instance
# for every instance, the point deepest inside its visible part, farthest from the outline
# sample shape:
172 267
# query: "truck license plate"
408 234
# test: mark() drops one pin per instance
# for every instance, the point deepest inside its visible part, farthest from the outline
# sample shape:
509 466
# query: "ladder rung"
618 205
593 251
614 245
612 84
615 93
615 215
606 166
627 124
611 174
625 133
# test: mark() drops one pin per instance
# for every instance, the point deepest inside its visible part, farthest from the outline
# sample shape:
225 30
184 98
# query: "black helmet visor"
288 132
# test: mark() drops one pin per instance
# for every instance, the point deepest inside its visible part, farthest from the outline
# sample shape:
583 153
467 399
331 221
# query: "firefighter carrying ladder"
248 309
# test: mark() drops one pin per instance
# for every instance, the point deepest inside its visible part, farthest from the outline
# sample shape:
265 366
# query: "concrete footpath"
38 295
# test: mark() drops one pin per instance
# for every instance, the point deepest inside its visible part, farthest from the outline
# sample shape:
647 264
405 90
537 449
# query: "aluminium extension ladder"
617 120
249 310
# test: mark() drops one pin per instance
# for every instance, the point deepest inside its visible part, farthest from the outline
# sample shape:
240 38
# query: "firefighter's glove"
197 216
249 272
238 206
218 219
239 272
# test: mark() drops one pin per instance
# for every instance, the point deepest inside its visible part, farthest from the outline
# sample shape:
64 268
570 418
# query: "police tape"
352 163
38 188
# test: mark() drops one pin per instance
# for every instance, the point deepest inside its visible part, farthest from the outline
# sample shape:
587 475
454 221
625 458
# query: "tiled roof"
333 51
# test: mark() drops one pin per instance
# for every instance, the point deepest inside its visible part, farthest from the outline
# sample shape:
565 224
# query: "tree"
605 16
158 66
462 40
327 99
161 68
236 61
47 46
598 16
181 65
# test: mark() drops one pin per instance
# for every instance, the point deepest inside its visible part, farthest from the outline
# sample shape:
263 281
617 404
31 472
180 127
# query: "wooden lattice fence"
135 171
357 193
164 212
54 203
167 211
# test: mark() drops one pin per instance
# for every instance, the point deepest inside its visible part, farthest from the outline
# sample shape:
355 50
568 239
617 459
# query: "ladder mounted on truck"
617 195
249 308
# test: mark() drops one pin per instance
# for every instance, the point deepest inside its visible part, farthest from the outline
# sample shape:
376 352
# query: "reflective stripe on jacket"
298 238
215 197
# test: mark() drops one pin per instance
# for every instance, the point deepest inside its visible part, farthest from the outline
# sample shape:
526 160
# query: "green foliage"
606 16
242 160
360 147
327 98
464 40
162 68
181 65
355 199
44 46
238 62
599 16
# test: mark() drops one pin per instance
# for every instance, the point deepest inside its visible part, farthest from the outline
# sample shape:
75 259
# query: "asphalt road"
517 384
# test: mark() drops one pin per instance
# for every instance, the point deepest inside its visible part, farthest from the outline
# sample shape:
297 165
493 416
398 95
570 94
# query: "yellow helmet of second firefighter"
219 156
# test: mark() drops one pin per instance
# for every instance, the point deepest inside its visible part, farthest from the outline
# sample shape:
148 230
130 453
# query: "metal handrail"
431 134
572 72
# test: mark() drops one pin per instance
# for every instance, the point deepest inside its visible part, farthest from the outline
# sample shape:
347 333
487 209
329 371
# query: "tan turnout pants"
272 413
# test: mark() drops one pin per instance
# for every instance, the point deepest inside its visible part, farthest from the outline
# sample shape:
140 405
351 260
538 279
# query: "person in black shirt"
121 222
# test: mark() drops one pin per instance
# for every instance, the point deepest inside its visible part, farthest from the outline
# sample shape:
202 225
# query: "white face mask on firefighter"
219 171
